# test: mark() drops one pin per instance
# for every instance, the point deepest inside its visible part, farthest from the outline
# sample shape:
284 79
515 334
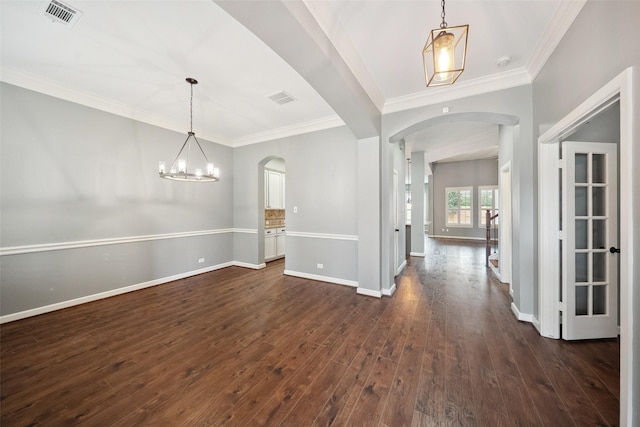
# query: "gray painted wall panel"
71 173
321 172
473 173
39 279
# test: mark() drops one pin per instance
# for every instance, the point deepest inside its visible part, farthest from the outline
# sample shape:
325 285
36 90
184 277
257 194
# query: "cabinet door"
269 247
275 190
280 244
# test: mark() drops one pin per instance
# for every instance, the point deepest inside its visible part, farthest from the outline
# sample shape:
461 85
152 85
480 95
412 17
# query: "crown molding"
38 84
492 83
556 28
285 131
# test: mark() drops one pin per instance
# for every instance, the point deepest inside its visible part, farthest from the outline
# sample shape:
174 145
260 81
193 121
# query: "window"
487 200
459 204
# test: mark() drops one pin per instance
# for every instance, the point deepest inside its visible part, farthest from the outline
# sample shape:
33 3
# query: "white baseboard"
336 280
390 290
401 267
107 294
524 317
247 265
421 254
369 292
536 324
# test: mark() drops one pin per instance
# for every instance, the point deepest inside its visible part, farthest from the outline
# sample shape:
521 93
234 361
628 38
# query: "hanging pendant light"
444 53
184 168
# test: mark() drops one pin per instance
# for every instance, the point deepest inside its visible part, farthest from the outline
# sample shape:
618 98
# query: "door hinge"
562 306
561 163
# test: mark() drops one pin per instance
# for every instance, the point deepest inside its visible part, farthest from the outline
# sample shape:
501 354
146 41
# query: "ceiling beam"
291 31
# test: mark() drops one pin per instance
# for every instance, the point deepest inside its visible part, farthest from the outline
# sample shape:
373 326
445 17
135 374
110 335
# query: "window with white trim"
459 203
488 199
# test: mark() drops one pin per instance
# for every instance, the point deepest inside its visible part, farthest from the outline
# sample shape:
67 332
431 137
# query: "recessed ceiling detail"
281 98
61 12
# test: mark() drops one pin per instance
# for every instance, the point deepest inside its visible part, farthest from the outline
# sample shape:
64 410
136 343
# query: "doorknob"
397 229
614 250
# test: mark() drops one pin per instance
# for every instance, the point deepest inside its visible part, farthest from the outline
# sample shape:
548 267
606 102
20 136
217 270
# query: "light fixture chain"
444 24
191 108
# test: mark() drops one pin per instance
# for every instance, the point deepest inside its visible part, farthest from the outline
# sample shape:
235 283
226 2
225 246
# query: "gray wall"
472 173
74 174
575 71
321 182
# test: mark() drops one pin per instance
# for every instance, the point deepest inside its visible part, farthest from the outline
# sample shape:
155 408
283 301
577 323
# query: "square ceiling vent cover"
281 97
61 12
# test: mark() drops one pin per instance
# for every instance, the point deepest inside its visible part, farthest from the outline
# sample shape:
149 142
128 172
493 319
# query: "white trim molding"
565 14
248 265
369 292
286 131
401 267
523 317
419 254
322 235
492 83
388 292
336 280
46 247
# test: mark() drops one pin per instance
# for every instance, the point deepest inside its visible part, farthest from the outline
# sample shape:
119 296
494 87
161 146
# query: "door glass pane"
581 233
581 267
581 201
599 234
598 168
600 267
581 168
582 300
599 201
600 299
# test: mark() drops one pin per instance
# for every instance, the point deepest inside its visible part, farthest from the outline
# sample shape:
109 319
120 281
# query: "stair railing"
492 233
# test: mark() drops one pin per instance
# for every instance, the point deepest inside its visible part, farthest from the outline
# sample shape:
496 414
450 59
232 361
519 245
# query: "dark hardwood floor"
240 347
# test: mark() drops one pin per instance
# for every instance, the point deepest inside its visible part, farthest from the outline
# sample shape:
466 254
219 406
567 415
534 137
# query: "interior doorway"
272 209
619 90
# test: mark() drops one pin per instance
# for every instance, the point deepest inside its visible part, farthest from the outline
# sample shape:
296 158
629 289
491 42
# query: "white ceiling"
131 58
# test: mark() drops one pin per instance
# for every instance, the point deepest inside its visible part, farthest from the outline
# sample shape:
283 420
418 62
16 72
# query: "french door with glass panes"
590 239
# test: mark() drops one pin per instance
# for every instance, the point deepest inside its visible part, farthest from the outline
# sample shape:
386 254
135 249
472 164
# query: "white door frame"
620 88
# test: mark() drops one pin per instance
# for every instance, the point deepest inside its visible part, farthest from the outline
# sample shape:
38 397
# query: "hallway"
495 365
242 347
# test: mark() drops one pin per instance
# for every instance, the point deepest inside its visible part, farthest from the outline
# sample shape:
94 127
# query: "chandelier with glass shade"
444 53
191 163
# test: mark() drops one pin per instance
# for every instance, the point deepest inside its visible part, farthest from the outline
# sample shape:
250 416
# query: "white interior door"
590 231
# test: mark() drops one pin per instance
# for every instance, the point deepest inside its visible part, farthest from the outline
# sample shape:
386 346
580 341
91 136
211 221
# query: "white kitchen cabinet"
273 189
269 245
280 242
274 243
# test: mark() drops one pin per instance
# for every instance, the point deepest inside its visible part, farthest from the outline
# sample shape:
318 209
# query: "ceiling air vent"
61 12
281 97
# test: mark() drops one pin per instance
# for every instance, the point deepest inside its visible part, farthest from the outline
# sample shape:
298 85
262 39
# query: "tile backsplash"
273 218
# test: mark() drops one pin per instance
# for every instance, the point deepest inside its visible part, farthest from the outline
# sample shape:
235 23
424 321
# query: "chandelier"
444 53
182 168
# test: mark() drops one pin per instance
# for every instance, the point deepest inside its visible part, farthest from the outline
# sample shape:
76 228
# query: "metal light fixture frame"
430 53
179 170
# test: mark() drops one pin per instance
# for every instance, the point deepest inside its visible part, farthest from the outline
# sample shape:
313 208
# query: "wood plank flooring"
239 347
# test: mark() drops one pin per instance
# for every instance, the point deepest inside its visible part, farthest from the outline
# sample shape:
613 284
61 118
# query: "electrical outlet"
320 266
200 260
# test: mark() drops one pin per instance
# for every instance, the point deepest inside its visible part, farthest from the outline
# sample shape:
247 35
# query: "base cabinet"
274 244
